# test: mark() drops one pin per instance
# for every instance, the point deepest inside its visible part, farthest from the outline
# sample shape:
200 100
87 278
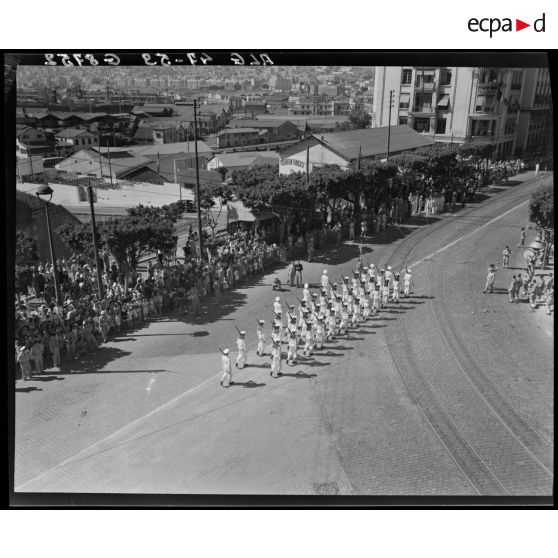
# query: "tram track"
436 414
480 474
535 443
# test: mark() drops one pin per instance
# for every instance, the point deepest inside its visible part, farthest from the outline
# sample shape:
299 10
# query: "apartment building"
534 128
319 105
464 104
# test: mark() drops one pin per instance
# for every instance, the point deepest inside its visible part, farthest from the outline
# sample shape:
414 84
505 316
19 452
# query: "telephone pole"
391 92
95 241
198 206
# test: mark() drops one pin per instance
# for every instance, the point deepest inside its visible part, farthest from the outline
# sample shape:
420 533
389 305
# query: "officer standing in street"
506 256
511 289
306 294
291 353
275 360
490 275
324 280
407 282
241 346
261 338
298 273
226 367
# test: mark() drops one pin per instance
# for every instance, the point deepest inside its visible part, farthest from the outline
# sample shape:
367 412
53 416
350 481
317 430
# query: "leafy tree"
26 249
286 196
541 207
131 237
254 176
378 179
359 119
78 237
212 195
328 184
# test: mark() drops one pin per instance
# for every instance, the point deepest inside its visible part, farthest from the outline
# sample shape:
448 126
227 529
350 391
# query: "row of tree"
361 187
292 198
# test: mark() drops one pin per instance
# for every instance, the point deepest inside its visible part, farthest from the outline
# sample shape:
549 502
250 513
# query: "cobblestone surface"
439 413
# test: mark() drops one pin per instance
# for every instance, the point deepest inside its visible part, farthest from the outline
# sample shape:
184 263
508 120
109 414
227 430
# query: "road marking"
464 237
83 453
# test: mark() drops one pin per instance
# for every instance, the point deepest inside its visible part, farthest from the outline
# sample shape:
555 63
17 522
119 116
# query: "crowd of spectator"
51 333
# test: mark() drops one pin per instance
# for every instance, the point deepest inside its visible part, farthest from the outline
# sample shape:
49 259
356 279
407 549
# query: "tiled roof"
71 133
373 141
237 131
258 123
248 158
165 149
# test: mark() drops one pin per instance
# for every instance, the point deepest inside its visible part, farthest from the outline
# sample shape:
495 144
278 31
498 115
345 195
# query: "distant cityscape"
129 129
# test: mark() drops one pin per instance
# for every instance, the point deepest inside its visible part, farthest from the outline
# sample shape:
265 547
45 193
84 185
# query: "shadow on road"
247 384
92 362
299 374
27 389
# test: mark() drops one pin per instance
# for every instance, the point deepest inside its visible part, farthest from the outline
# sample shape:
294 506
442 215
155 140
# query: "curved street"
449 392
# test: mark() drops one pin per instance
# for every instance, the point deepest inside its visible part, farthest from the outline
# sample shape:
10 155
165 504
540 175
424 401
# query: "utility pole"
198 206
100 156
308 166
95 241
31 163
389 122
110 166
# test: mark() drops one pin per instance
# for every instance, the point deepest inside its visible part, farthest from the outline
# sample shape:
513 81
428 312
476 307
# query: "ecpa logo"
494 24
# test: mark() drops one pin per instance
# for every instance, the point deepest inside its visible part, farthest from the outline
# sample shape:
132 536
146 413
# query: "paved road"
447 393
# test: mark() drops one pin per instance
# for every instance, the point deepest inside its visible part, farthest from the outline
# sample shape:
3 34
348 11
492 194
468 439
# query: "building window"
404 101
517 77
445 77
482 128
406 77
423 103
510 125
421 124
441 126
403 120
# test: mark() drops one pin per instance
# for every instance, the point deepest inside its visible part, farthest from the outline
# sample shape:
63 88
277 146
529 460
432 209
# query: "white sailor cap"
277 299
261 321
389 267
325 271
306 285
242 332
225 351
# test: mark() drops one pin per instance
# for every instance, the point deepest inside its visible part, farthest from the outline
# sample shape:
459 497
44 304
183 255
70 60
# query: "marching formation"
321 316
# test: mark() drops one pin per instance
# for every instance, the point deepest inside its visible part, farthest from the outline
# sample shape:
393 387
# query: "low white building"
342 148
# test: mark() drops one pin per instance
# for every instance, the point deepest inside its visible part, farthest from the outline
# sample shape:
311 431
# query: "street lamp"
45 191
95 241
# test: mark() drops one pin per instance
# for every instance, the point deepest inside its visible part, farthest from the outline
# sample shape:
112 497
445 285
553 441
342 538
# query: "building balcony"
484 109
423 110
488 88
425 86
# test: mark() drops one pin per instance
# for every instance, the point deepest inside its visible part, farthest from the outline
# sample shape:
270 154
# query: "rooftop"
238 131
71 133
373 141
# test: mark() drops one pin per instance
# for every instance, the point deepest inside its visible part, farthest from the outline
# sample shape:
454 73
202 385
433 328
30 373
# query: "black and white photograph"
278 279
